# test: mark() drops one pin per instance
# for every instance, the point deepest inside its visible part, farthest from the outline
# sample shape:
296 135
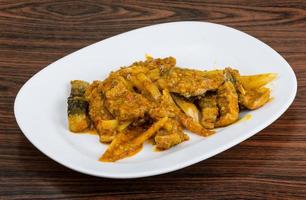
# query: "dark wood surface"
33 34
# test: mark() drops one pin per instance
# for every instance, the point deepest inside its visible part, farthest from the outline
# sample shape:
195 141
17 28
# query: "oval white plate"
40 106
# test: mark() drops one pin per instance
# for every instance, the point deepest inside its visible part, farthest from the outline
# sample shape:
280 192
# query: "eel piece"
187 82
209 110
78 119
98 112
171 135
227 100
124 103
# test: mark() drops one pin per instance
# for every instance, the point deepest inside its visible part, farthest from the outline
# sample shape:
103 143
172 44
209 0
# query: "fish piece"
98 112
154 74
120 101
152 67
171 135
163 64
227 100
209 110
165 140
187 82
78 88
78 119
96 99
233 75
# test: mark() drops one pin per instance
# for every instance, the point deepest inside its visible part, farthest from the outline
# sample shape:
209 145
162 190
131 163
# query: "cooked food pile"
156 100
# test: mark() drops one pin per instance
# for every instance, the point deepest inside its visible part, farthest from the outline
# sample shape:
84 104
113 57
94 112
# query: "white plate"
40 106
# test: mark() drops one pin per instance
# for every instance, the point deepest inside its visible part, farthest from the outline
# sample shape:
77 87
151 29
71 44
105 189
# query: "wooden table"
33 34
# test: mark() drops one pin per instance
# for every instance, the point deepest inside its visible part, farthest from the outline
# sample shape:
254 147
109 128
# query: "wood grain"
33 34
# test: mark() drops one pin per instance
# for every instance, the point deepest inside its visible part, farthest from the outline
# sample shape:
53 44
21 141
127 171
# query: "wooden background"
33 34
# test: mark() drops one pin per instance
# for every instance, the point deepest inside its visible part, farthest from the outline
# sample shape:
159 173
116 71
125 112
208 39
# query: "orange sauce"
158 149
91 132
245 118
151 141
271 99
88 131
